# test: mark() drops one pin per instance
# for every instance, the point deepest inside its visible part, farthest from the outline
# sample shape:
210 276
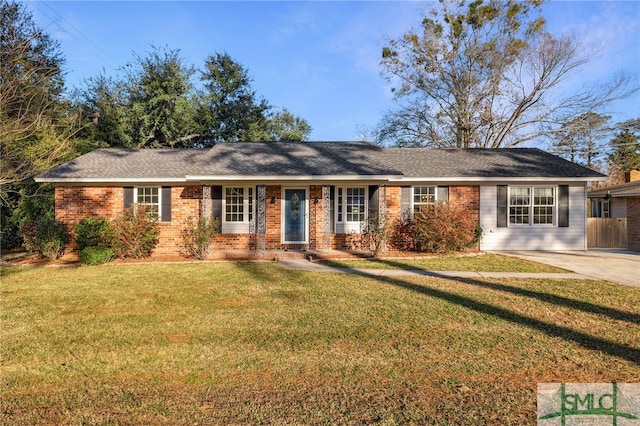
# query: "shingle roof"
484 163
629 189
312 160
295 159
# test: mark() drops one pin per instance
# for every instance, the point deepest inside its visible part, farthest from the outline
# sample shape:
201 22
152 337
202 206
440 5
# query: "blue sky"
320 60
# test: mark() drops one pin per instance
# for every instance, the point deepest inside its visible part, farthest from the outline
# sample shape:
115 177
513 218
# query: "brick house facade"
316 196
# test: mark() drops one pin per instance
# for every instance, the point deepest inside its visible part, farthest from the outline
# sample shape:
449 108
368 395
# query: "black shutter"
374 202
503 207
165 208
443 193
405 202
128 197
563 206
216 196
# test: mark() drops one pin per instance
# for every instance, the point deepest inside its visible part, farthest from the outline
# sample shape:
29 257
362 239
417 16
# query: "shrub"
93 255
374 234
28 234
47 237
93 232
135 233
196 237
444 228
402 235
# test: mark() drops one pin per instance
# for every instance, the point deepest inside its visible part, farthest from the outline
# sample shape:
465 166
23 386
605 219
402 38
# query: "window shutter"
216 196
128 197
405 202
563 206
165 208
503 206
443 193
374 203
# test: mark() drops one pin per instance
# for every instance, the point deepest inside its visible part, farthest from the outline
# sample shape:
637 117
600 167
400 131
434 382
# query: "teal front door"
294 214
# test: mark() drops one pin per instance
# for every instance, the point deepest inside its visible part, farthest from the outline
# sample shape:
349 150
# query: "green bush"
135 233
47 237
93 255
196 237
93 232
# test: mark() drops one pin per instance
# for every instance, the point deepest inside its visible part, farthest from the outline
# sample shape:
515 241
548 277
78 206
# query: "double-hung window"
423 196
351 209
534 205
238 206
148 197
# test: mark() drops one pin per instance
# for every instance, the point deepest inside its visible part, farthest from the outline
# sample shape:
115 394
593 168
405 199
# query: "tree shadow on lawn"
583 339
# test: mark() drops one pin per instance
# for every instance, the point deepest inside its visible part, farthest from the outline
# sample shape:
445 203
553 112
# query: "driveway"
620 266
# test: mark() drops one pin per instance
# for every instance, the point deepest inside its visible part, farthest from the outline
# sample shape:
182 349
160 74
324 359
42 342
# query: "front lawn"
254 343
485 262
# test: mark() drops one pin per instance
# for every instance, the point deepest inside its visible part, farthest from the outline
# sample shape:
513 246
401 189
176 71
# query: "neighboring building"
316 195
619 202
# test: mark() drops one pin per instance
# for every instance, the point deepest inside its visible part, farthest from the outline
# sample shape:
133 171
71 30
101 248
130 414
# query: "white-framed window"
423 196
351 208
237 209
148 197
532 205
599 208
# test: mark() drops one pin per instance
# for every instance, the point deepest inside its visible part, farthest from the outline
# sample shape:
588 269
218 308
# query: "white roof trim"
495 179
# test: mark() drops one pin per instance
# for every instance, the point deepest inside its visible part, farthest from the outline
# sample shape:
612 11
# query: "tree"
625 152
229 109
150 107
580 139
154 104
483 74
36 124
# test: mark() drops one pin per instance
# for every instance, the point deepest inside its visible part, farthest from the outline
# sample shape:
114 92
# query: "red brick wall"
633 223
74 203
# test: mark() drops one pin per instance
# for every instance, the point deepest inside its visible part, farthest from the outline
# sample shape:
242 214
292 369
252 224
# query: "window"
423 196
531 205
351 209
149 197
355 204
234 204
599 208
237 208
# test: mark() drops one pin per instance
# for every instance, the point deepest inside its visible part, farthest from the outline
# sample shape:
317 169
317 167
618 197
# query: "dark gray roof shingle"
483 163
313 159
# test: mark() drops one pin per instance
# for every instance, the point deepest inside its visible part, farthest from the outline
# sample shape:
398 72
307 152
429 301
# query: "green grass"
253 343
488 262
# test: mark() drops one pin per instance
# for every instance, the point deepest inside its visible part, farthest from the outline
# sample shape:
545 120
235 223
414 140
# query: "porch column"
382 213
326 218
261 218
206 207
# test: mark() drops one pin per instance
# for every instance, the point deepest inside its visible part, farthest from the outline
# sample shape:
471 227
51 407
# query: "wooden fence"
607 232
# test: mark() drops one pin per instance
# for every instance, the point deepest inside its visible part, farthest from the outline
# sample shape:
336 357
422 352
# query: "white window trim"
136 203
413 188
531 205
350 227
236 227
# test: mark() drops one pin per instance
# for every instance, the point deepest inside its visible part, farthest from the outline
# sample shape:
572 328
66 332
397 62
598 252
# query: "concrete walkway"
305 265
619 266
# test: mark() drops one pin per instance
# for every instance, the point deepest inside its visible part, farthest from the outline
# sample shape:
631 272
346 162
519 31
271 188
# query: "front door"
294 216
